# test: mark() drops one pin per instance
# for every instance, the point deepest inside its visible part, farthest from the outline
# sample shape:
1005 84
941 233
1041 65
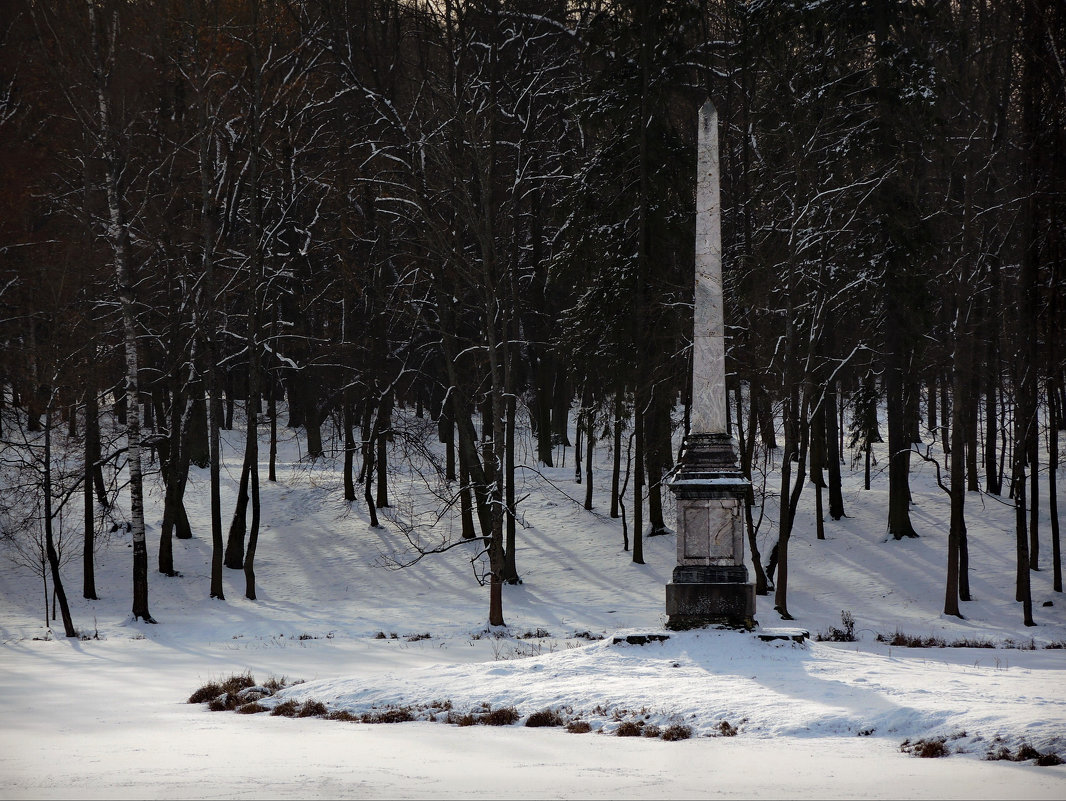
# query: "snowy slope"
106 716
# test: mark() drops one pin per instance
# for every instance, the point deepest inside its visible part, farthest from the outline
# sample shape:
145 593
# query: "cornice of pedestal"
707 468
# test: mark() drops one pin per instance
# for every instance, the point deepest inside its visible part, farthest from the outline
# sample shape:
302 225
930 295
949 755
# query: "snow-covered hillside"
107 716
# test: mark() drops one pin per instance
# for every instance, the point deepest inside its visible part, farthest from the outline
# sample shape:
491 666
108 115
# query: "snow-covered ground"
108 716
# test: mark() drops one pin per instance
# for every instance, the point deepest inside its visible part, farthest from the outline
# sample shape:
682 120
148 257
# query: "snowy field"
107 716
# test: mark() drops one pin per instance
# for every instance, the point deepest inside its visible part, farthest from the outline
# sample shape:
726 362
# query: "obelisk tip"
708 112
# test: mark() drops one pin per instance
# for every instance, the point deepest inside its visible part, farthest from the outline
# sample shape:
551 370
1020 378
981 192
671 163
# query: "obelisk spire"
708 414
710 583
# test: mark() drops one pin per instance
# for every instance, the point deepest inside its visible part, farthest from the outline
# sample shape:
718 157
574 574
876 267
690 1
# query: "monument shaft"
708 413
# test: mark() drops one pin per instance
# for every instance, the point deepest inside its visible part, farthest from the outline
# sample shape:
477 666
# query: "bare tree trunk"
49 538
590 444
993 483
252 400
92 455
747 453
832 453
1025 356
118 234
616 469
957 478
510 567
348 423
272 412
382 463
234 559
466 511
1055 412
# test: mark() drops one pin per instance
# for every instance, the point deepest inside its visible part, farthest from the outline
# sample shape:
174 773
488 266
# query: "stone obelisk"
710 583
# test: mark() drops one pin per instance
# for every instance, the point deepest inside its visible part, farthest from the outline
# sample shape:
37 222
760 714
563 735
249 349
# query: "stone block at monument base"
729 604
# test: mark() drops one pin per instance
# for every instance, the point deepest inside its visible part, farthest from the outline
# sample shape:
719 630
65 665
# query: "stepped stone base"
693 605
794 634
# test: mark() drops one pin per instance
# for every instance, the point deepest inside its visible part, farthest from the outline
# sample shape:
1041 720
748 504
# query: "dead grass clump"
288 709
676 731
968 642
587 635
417 637
224 703
401 714
629 728
251 708
931 748
212 691
651 730
237 682
578 727
539 634
845 634
1023 645
725 729
504 716
344 715
312 709
545 717
209 692
274 683
902 640
1024 753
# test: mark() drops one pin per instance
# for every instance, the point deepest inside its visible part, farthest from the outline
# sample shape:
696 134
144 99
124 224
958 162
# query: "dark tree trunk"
579 430
930 407
369 452
199 446
92 456
49 538
832 454
382 463
313 428
348 424
957 479
1033 450
972 397
510 565
1055 412
899 445
1025 356
765 411
272 411
540 417
993 484
616 465
747 453
945 417
466 510
590 443
234 558
561 407
638 478
446 434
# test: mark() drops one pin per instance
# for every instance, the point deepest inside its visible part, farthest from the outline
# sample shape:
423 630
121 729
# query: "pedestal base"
690 606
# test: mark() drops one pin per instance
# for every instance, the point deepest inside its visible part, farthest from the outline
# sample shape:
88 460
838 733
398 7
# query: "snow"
107 716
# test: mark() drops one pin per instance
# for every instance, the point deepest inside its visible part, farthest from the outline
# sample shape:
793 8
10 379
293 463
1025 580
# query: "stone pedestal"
710 582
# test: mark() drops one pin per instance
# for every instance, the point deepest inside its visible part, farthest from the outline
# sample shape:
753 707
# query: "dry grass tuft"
545 717
676 731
